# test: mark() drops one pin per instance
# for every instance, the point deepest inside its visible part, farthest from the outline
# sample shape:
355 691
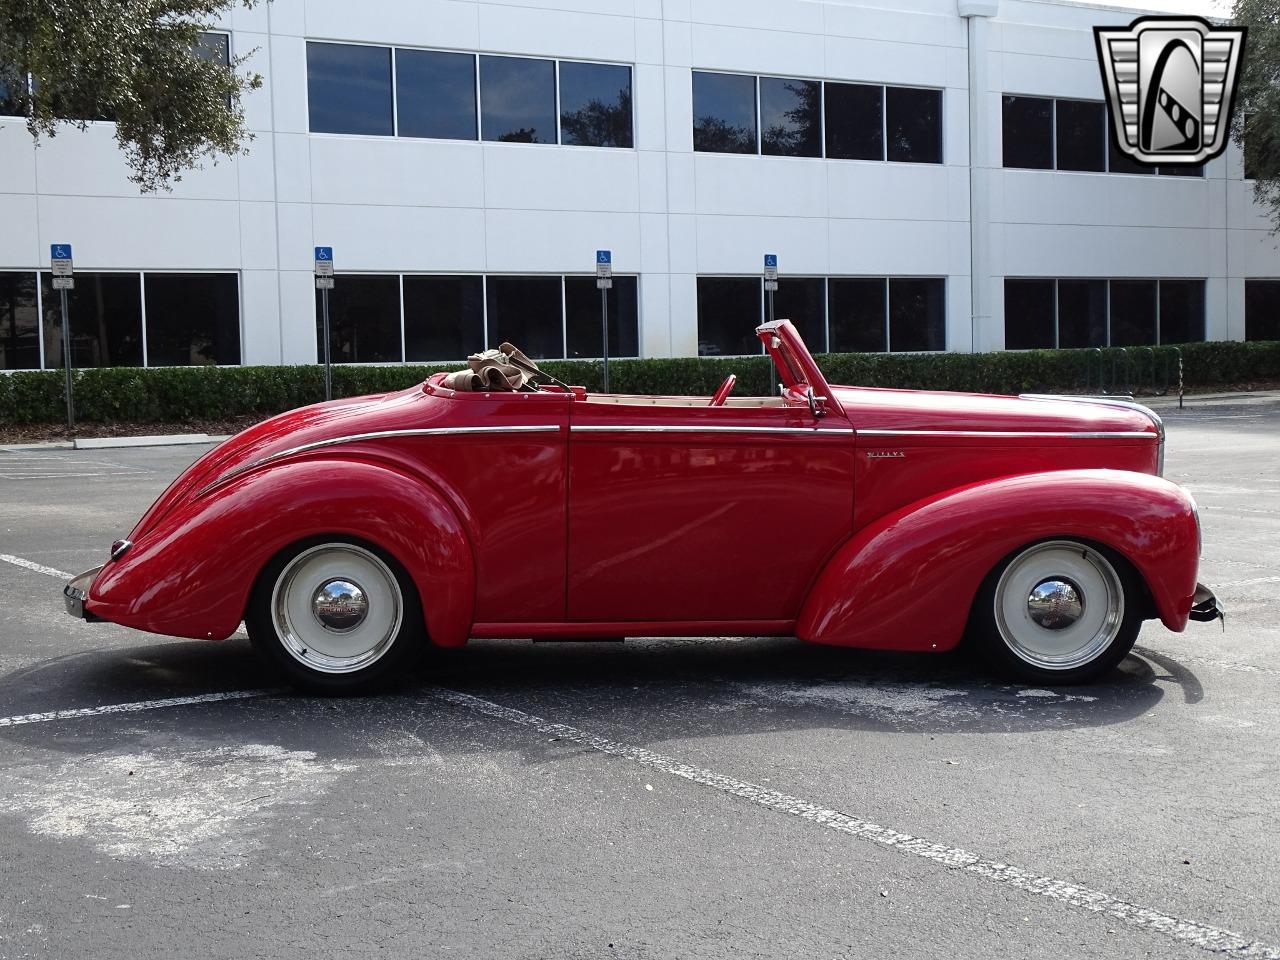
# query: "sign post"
64 280
604 280
770 286
324 283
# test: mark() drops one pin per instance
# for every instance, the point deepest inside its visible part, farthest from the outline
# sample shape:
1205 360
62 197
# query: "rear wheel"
1060 611
335 616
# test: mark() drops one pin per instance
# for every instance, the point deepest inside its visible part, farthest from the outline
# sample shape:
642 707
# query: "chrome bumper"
1205 606
76 592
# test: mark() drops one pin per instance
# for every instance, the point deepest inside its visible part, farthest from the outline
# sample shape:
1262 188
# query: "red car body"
841 515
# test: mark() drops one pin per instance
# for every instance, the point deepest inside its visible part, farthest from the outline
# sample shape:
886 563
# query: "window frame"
1158 281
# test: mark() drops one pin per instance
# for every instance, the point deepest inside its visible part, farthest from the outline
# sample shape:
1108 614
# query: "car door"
699 513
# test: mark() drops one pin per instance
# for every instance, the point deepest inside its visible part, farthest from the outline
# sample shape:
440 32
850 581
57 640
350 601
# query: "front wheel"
334 616
1060 611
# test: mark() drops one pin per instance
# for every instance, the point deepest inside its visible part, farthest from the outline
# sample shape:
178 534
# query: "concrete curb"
171 440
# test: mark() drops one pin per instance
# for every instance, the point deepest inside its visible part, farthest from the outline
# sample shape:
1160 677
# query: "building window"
349 89
1028 132
518 99
1082 313
913 122
192 319
435 94
837 314
583 335
215 47
1080 135
105 312
595 104
803 301
790 117
364 320
724 113
854 121
729 310
1262 309
10 84
917 315
857 317
1181 316
19 322
1093 313
1045 134
443 317
1029 319
528 312
1133 312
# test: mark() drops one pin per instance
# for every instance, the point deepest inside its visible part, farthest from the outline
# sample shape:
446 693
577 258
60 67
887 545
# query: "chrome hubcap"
1059 605
1055 604
340 605
337 608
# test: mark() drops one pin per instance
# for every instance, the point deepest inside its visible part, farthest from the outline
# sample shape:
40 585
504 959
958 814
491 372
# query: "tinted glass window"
856 318
215 47
913 122
1118 162
595 105
1133 312
105 310
1181 311
582 317
1082 313
527 312
192 318
1262 309
1082 132
1181 171
917 315
1257 149
724 113
1028 314
364 320
790 117
8 84
19 323
349 89
443 317
518 100
1028 132
728 314
803 301
855 124
436 94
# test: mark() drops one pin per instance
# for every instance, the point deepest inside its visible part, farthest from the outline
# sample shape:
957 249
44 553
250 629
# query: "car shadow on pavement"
651 689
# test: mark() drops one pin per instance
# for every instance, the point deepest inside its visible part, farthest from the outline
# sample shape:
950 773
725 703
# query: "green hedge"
176 394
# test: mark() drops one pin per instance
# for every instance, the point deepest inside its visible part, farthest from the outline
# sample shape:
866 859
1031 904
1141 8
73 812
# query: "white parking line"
135 707
37 567
1188 931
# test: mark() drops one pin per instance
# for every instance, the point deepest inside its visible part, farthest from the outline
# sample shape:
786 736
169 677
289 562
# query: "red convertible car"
346 533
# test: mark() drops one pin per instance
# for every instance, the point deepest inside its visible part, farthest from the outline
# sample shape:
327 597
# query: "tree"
140 63
1256 124
601 123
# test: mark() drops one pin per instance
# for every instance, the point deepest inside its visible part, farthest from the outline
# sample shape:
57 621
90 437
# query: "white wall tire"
1058 611
334 615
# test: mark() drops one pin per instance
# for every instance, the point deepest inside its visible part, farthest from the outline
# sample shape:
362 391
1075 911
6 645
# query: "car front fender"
191 575
907 581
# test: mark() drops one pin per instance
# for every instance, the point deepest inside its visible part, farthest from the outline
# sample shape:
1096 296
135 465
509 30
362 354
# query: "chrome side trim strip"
684 428
1014 434
377 435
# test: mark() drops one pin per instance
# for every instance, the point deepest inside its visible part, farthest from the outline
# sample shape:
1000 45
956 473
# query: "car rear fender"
191 575
907 581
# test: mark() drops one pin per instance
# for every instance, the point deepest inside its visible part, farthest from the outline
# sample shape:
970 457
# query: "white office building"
932 174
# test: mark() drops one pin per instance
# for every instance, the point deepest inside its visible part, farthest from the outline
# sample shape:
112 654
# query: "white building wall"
394 204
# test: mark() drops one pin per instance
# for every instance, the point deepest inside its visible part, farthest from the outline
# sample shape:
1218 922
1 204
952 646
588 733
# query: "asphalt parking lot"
658 798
